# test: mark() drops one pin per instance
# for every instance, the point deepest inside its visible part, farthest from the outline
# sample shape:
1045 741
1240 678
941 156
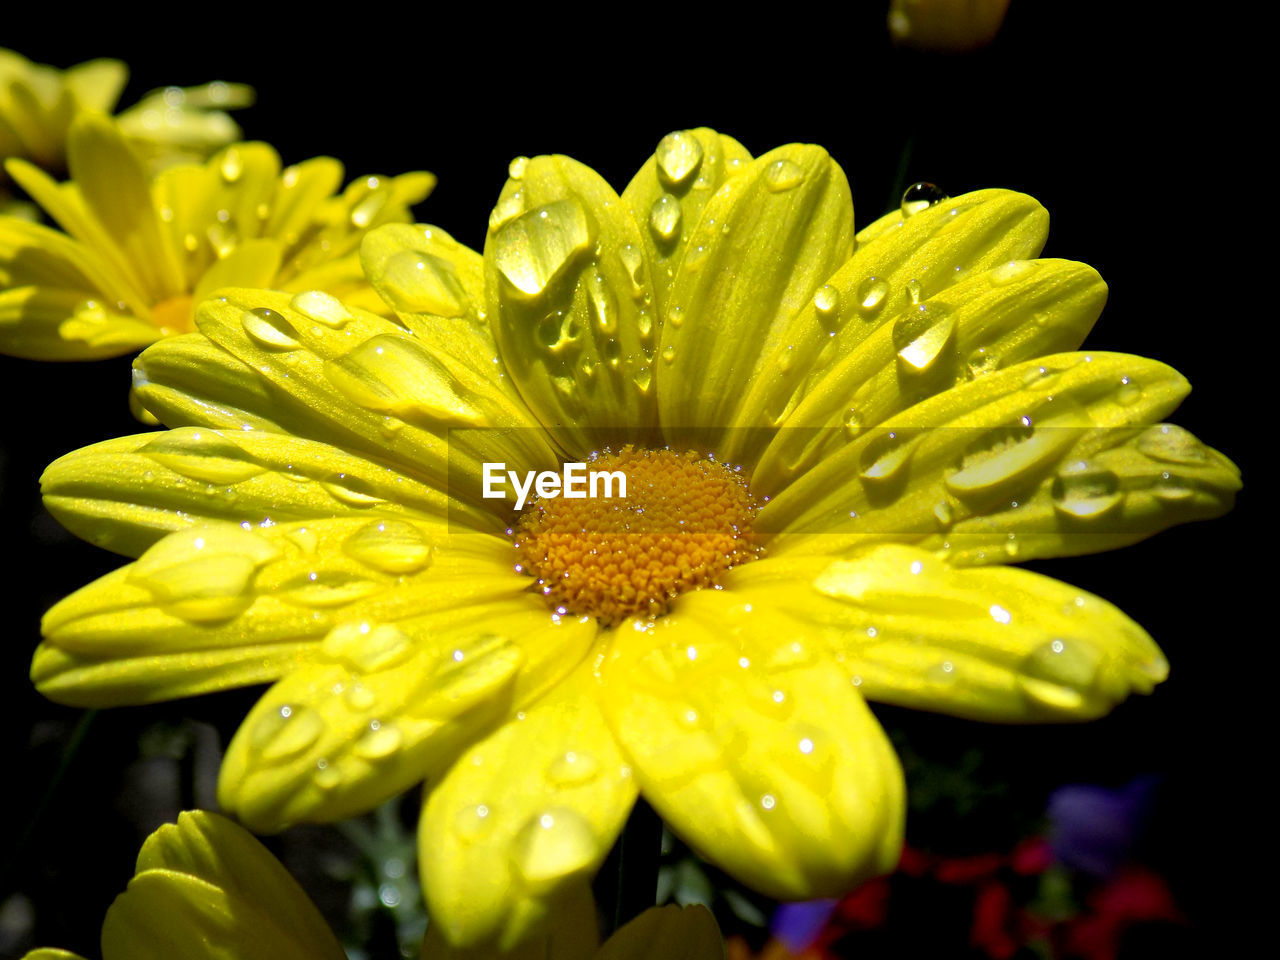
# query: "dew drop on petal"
921 196
269 329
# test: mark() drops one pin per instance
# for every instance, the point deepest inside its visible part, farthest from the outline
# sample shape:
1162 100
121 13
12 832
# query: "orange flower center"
175 315
684 521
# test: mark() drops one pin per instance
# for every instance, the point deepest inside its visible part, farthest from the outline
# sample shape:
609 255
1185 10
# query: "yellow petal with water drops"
667 194
47 323
766 241
221 588
97 84
207 847
671 932
181 196
997 318
245 181
188 380
46 953
910 260
754 747
253 263
522 819
302 188
126 493
574 935
366 203
34 254
570 304
116 192
981 448
997 644
366 384
388 703
427 277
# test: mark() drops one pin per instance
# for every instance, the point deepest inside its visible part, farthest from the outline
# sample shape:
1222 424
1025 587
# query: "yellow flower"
143 248
205 889
38 104
835 443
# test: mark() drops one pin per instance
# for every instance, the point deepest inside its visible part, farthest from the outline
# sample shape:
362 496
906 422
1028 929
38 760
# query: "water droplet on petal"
531 250
921 336
367 647
604 305
1007 273
322 307
783 175
391 546
852 424
668 354
473 822
827 302
418 282
551 847
201 454
678 156
871 294
883 461
921 196
286 731
380 741
351 490
572 768
665 217
232 166
269 329
517 167
1083 490
1172 444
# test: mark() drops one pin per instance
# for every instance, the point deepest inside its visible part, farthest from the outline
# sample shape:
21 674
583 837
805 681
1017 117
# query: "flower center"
174 315
684 521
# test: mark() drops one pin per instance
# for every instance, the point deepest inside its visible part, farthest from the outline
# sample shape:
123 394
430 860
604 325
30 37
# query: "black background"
1133 130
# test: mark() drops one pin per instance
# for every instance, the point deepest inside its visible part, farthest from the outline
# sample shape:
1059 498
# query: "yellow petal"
188 380
755 747
667 194
125 494
567 293
898 263
671 932
301 190
97 84
997 644
573 936
201 592
388 703
365 384
253 263
521 819
48 953
978 449
211 848
766 241
996 318
47 323
422 272
117 194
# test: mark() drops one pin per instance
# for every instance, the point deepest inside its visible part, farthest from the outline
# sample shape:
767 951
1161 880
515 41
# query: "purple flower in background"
1093 829
798 925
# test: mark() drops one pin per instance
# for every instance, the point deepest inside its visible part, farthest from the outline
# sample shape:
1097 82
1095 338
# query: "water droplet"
914 291
871 294
1083 490
678 156
943 514
203 576
367 647
201 454
552 846
852 424
366 211
675 316
473 822
884 459
921 196
286 731
330 588
643 377
572 768
633 262
921 336
486 666
232 166
322 307
1172 489
391 546
981 362
782 175
359 697
351 490
534 248
668 354
1007 273
1128 394
665 217
397 375
827 302
517 167
418 282
604 305
380 741
327 775
1058 673
270 329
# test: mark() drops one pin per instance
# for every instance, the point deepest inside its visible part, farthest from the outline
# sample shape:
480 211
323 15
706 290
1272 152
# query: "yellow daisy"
38 104
835 441
205 889
141 249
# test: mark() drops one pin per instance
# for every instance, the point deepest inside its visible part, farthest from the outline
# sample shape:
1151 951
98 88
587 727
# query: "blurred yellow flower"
835 442
952 25
205 889
38 104
140 249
